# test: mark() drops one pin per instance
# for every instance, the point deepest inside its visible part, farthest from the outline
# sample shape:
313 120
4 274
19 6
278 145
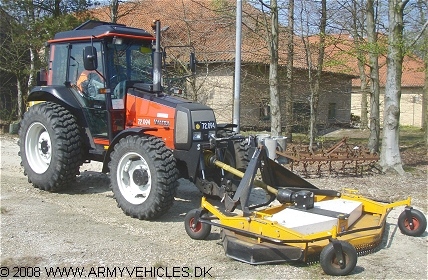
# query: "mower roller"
298 222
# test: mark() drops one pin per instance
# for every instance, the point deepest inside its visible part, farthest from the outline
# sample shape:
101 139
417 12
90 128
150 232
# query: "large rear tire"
50 146
143 176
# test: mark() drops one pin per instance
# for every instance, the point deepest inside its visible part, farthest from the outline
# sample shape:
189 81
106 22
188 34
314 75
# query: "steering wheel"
115 79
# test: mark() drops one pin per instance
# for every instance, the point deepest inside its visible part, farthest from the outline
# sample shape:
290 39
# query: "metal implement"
341 157
303 224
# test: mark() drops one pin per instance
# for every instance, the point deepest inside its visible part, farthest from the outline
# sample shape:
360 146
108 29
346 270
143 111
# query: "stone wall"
410 105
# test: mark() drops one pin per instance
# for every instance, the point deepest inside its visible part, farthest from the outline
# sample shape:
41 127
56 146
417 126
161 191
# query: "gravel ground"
83 228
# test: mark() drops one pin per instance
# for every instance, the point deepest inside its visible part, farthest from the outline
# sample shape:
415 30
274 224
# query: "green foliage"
26 26
220 4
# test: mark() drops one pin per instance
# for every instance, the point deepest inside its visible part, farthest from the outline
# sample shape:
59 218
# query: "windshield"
129 61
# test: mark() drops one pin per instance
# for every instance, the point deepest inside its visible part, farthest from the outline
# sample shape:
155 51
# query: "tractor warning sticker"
205 125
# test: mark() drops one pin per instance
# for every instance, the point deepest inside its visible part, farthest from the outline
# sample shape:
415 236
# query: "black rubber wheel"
419 223
330 264
50 146
200 231
143 176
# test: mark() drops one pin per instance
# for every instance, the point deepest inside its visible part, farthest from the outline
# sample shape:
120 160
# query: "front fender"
120 135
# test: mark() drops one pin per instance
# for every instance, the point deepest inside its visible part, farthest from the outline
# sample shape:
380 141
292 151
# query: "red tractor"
102 99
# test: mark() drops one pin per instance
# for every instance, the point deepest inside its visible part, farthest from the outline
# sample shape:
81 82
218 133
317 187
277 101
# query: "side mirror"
192 62
42 77
90 60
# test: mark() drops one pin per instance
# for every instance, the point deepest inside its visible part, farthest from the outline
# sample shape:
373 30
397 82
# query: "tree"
13 63
420 45
358 31
373 143
288 91
315 69
34 22
315 90
117 11
390 158
273 71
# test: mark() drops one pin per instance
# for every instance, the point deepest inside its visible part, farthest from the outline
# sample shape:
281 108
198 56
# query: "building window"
331 111
301 116
265 110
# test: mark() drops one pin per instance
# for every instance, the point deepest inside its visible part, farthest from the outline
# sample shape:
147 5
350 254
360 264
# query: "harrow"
338 158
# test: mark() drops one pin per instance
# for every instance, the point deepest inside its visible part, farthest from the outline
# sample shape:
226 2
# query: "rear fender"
61 95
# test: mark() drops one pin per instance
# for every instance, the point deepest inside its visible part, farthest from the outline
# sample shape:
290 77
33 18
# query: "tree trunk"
273 73
358 16
424 35
20 101
425 102
374 137
289 74
363 89
114 10
390 158
315 93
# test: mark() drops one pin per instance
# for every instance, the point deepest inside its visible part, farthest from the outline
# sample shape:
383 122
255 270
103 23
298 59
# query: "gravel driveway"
82 228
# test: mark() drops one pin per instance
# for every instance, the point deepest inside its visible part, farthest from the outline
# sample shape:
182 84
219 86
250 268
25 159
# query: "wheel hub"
38 147
140 177
134 178
44 147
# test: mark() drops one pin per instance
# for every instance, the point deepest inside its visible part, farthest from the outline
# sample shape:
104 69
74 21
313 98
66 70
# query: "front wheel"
332 265
412 223
143 176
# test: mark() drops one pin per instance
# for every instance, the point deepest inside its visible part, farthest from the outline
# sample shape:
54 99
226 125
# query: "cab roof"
99 29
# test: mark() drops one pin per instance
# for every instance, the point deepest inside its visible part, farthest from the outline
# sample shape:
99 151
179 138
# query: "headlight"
197 135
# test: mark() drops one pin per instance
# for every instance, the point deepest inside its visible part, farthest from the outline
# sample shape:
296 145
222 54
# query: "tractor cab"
99 63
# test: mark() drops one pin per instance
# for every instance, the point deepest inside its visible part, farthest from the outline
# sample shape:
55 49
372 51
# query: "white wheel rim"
134 178
38 147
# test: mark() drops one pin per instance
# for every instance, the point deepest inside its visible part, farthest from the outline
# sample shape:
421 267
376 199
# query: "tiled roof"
341 57
210 27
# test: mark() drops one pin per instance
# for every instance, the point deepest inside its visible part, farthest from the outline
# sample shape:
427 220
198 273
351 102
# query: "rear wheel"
414 227
143 176
50 146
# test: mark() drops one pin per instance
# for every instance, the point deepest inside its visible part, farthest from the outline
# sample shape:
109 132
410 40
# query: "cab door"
88 84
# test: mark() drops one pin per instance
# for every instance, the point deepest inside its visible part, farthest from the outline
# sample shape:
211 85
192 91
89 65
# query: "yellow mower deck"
306 224
364 234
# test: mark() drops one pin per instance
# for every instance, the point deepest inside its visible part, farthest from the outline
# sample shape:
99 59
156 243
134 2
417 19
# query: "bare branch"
420 34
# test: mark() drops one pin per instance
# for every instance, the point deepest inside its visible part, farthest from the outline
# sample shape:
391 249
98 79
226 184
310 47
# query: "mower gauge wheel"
332 265
196 230
418 223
